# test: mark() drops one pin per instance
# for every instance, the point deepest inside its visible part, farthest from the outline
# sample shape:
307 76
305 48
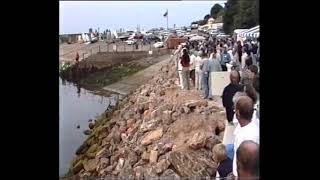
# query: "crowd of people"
195 63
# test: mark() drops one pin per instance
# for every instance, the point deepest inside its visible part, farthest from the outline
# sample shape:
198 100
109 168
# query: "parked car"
130 42
158 45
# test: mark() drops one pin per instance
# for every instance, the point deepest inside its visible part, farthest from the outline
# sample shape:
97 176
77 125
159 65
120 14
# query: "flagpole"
167 20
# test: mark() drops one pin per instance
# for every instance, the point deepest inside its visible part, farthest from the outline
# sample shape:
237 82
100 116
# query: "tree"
240 14
207 17
231 11
216 8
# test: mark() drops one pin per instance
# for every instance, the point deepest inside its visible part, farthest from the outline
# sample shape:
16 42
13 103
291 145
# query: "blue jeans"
205 84
230 151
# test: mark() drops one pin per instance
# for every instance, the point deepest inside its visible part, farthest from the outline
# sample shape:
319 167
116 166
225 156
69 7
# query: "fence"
98 47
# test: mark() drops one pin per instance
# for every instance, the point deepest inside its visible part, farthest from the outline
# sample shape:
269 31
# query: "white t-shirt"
179 65
243 60
231 55
192 61
248 132
198 62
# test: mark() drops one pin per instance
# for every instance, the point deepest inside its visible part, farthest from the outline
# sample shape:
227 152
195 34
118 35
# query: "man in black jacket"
228 93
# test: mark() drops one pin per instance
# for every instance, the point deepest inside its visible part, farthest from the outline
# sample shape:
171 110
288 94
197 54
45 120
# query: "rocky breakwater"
159 131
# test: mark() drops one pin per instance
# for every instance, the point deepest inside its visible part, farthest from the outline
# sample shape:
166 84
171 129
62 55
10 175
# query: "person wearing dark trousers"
228 92
225 58
205 76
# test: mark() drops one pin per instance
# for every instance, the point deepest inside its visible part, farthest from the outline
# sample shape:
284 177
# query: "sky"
79 16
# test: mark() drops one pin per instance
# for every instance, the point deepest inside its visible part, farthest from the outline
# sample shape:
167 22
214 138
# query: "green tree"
240 14
216 8
207 17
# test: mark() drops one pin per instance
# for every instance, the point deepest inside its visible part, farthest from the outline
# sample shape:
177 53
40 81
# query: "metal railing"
103 47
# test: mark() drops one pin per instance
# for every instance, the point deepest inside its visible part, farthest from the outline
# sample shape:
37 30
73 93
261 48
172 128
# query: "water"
76 107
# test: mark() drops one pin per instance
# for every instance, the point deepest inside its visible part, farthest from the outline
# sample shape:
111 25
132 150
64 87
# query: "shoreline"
159 103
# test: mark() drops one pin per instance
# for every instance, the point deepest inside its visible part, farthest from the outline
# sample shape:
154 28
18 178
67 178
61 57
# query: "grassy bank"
108 76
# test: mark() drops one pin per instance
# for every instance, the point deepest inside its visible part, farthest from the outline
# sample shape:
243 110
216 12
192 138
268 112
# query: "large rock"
115 134
147 115
170 174
195 103
149 125
120 164
145 92
138 172
150 173
189 164
198 140
102 164
166 117
152 136
127 171
93 148
77 167
220 126
165 148
162 166
132 158
175 116
211 142
82 149
90 165
130 122
145 156
153 156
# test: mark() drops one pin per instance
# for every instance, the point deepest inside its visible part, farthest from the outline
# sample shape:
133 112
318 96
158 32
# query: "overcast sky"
79 16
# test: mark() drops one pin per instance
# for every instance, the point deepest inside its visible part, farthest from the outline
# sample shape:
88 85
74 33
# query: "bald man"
248 160
248 130
229 91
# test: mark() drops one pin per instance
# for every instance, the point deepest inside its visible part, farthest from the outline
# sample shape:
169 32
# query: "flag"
166 14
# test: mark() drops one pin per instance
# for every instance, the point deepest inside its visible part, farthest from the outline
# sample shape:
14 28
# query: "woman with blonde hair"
224 162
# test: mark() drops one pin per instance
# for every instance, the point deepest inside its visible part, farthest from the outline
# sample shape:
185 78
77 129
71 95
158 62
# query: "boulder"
130 122
186 109
165 148
91 125
149 125
104 152
170 174
120 164
139 150
152 136
149 172
93 148
166 117
77 167
145 156
196 103
147 115
82 149
197 141
90 165
122 129
132 158
103 164
87 132
138 172
211 142
189 164
174 116
153 156
162 166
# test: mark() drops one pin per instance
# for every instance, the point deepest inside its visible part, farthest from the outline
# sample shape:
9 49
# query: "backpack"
185 61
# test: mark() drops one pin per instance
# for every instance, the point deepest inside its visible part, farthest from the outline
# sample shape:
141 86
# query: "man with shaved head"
248 160
248 130
228 93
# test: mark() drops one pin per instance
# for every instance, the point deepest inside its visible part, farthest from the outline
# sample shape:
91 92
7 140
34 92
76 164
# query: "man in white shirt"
248 130
198 72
